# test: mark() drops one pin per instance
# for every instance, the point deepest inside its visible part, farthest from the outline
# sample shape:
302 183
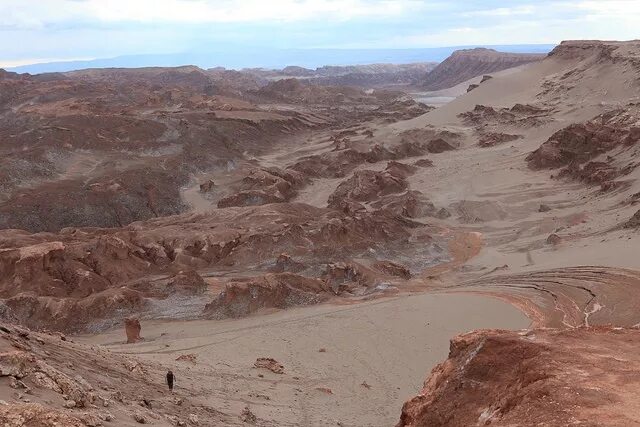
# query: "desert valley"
427 244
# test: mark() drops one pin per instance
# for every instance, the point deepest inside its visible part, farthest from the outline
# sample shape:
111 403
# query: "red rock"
506 378
285 263
132 328
366 185
270 364
392 269
490 139
581 142
243 297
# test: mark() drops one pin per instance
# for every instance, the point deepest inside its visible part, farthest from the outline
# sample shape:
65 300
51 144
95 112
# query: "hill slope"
465 64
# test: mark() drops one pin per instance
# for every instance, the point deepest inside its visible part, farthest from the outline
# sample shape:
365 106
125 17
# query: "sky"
34 31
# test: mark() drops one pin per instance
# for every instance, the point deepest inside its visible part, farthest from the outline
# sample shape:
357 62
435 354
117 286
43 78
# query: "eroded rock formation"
539 377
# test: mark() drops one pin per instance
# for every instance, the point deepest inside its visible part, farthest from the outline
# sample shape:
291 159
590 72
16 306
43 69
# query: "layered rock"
243 297
262 186
541 377
581 142
520 115
366 186
92 276
465 64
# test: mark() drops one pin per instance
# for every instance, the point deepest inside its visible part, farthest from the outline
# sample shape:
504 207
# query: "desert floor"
344 364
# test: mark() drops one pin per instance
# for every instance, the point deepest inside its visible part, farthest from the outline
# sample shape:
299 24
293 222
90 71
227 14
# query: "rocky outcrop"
404 108
367 185
47 380
36 415
465 64
270 364
207 186
285 263
410 204
634 221
541 377
95 278
132 329
262 186
392 269
243 297
519 115
490 139
581 142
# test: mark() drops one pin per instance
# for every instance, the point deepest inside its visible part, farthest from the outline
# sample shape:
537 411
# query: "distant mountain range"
273 59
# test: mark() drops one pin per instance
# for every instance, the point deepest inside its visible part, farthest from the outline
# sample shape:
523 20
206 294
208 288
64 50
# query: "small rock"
139 418
187 358
270 364
544 208
247 416
193 419
91 420
69 404
554 239
207 186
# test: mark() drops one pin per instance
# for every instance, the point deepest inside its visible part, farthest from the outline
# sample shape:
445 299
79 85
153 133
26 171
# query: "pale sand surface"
389 344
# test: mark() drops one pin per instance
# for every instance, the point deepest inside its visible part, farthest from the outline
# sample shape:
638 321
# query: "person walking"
170 379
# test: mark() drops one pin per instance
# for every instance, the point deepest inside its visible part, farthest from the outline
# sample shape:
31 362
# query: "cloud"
503 11
99 28
33 14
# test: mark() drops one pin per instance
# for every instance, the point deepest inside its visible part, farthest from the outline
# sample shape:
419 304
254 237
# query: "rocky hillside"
535 378
465 64
367 76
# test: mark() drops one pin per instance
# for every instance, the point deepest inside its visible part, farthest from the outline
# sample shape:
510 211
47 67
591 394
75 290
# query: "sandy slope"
389 344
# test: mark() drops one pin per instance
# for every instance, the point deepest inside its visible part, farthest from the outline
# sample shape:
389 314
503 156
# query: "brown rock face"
243 297
465 64
367 185
284 263
392 269
634 221
187 282
262 186
579 143
132 329
490 139
519 115
544 377
86 277
207 186
35 415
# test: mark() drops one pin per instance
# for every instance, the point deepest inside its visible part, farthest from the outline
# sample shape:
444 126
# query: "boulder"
554 239
207 186
270 364
132 329
634 221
